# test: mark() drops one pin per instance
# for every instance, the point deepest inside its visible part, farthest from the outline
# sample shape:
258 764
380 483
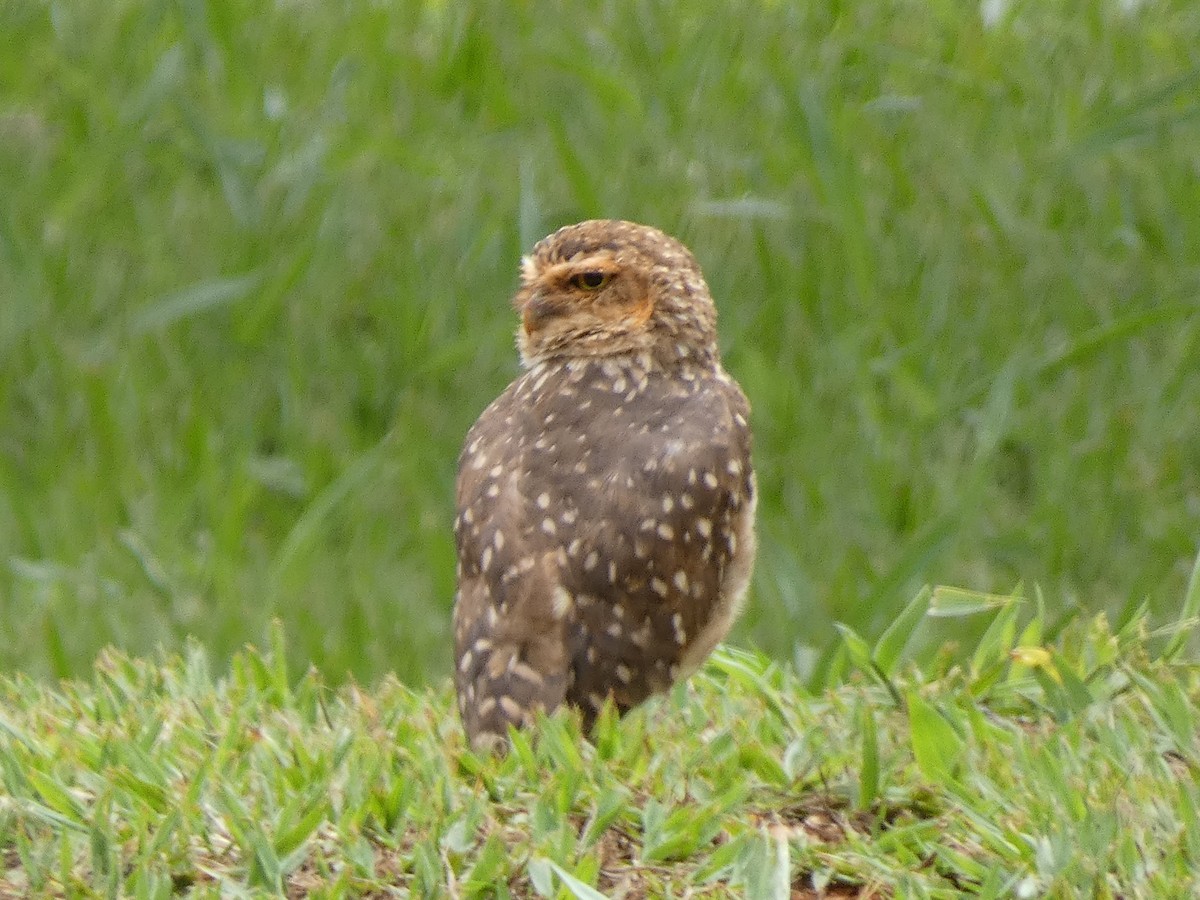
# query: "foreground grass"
255 261
1065 769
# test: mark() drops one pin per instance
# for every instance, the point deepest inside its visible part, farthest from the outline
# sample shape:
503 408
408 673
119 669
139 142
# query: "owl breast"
605 535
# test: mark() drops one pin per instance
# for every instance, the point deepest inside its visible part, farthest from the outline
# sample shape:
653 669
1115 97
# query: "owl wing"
598 536
509 633
665 538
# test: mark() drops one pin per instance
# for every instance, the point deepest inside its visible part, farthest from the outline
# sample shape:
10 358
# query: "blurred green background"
255 262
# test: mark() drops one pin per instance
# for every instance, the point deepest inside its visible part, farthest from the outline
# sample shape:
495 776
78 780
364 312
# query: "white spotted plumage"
605 532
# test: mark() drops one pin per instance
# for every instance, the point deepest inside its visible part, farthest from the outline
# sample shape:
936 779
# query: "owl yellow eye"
590 281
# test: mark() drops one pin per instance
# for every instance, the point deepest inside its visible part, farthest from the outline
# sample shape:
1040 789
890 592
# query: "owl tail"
505 682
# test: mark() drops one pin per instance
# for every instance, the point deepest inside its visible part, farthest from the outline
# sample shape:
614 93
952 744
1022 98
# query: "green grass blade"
868 777
574 886
952 602
890 646
1189 615
936 746
194 300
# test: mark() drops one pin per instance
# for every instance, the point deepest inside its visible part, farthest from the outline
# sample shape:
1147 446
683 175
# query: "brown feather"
605 530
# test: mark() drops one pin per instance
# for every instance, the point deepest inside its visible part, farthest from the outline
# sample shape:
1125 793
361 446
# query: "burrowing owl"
605 525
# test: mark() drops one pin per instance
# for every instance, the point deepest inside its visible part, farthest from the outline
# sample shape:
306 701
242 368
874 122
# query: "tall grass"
255 261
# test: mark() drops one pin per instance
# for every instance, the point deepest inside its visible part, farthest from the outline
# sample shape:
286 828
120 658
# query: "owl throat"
681 344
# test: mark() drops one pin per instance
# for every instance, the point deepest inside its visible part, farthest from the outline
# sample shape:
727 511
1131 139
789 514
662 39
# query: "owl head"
606 287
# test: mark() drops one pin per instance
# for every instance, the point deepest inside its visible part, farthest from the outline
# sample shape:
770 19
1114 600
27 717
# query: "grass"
256 260
1035 768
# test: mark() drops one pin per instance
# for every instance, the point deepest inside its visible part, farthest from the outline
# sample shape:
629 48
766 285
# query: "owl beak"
537 310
